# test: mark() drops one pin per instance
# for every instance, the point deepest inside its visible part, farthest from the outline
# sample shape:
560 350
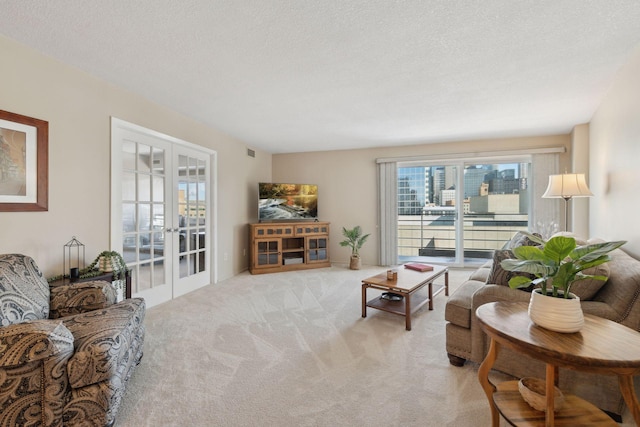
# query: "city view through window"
437 222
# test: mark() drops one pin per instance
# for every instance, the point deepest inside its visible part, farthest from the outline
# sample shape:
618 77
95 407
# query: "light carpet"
291 349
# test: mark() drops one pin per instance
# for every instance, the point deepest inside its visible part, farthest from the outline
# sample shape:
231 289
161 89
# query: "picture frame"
24 163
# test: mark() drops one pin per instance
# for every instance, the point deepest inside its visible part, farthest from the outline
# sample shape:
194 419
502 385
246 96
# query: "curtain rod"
473 154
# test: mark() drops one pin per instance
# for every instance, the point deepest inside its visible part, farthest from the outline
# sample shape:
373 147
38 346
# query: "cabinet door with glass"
267 253
317 249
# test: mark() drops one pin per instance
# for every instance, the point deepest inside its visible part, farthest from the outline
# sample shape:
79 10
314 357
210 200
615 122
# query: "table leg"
446 283
487 386
549 392
407 311
629 395
364 300
430 285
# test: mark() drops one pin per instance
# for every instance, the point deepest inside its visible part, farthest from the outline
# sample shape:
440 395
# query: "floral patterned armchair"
66 352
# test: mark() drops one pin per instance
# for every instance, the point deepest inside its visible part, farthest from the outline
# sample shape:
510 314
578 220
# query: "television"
278 202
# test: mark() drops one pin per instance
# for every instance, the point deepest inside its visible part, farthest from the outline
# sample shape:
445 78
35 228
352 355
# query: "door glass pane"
128 186
158 188
427 212
129 249
144 158
128 217
496 206
144 276
144 188
158 161
144 217
128 155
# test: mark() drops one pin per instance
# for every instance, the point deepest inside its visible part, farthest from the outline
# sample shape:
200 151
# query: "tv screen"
287 201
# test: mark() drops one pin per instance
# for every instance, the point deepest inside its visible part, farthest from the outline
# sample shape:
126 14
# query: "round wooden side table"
601 347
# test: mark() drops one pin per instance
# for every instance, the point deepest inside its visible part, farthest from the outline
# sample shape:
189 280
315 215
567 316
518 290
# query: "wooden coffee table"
408 283
601 346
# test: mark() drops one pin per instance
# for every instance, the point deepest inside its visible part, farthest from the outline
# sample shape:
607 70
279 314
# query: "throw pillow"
520 239
500 276
586 289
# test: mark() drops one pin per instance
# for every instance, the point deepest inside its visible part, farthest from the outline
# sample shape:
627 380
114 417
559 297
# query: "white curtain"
545 213
388 212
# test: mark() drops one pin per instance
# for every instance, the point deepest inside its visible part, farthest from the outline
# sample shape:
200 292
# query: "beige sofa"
617 300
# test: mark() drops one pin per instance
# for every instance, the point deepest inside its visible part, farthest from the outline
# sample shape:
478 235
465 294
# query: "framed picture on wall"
24 163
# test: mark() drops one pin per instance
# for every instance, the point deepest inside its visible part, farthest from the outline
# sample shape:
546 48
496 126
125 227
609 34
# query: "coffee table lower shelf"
416 301
574 412
398 307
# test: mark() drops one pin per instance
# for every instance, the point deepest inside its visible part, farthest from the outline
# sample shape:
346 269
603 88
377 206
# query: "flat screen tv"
287 201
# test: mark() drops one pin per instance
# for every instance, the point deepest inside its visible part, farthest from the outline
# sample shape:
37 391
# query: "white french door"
191 208
161 212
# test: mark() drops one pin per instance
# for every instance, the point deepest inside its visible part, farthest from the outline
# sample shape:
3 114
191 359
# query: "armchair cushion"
32 341
100 351
20 303
79 298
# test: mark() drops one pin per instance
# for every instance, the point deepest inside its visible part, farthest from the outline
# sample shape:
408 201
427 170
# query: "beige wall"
347 181
579 207
615 159
78 108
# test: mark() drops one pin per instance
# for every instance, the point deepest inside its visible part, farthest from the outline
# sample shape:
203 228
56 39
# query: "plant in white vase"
557 264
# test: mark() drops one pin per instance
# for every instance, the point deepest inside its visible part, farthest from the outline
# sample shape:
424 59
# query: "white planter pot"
556 314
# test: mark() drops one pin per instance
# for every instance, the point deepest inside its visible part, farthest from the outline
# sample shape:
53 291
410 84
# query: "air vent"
250 152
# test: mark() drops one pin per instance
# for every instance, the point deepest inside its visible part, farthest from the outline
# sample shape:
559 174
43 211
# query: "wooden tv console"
285 246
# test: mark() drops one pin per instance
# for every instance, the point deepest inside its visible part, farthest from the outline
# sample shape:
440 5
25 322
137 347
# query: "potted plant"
354 239
557 264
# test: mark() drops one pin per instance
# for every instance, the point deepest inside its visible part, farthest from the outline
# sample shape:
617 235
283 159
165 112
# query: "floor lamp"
567 186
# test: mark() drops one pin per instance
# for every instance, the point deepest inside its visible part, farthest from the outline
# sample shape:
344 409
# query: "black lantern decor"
72 262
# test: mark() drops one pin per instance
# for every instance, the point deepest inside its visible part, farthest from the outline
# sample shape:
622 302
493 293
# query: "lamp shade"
567 186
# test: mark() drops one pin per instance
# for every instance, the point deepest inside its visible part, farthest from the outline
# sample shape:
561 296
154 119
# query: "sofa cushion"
102 341
458 307
500 276
24 292
586 289
481 273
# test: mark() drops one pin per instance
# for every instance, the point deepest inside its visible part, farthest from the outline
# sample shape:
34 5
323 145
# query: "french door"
161 212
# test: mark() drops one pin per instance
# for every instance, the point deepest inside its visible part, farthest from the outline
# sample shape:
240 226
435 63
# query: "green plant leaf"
589 253
559 247
527 266
519 282
529 253
354 239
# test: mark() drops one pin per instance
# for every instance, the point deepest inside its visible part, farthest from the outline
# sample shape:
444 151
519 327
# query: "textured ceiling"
307 75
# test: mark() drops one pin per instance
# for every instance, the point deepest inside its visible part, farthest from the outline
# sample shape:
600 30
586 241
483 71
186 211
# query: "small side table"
107 277
601 347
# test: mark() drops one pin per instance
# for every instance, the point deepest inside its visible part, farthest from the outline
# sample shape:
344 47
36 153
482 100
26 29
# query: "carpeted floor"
291 349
